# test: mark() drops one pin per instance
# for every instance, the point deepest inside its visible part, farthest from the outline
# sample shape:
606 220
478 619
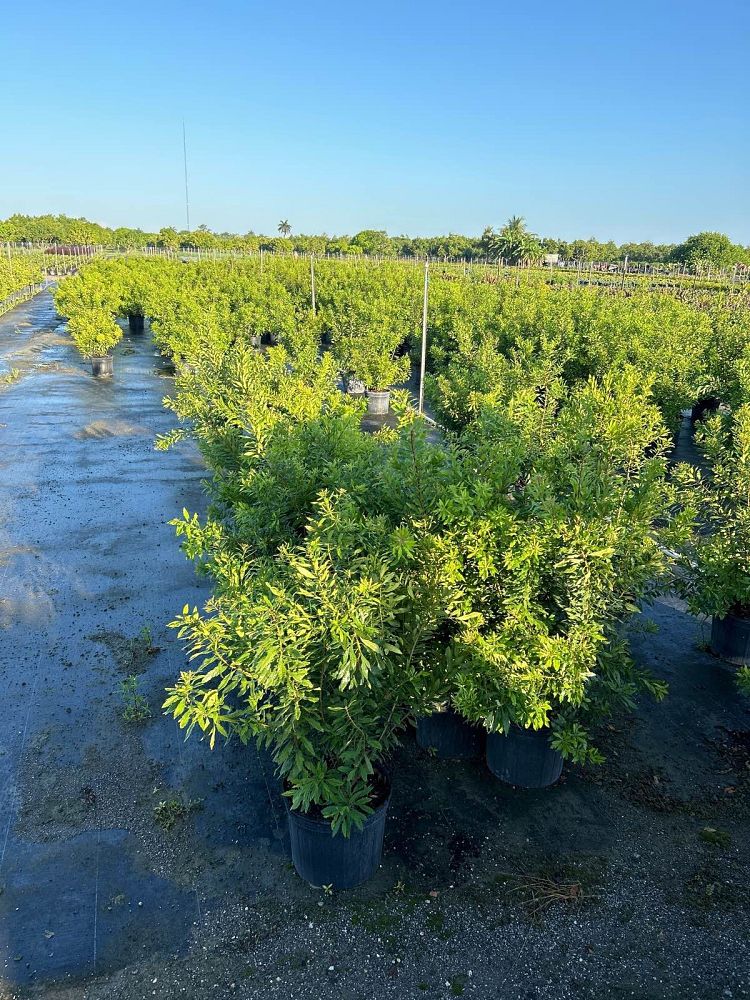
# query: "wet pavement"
86 551
99 902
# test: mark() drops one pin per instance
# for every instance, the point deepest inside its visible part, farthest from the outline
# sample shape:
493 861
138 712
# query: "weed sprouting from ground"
717 838
170 812
136 706
145 640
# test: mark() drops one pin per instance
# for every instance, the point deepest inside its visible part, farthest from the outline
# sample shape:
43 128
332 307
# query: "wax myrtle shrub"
716 562
460 313
726 351
715 577
190 309
458 392
318 654
94 332
590 334
325 632
557 530
370 312
261 307
234 399
130 282
90 302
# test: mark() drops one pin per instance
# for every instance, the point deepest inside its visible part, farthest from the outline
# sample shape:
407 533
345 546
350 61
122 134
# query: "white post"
424 338
312 282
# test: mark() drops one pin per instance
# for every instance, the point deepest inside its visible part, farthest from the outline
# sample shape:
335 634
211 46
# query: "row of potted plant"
369 314
367 321
475 584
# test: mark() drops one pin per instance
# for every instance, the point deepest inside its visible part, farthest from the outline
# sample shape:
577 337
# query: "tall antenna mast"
184 154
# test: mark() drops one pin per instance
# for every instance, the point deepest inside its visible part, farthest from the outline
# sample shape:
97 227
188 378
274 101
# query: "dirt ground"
134 864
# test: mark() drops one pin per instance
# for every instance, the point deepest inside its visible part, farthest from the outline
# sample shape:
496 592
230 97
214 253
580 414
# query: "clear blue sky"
626 120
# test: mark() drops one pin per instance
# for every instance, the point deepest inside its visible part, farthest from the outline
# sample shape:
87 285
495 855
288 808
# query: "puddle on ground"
110 428
28 605
84 905
8 552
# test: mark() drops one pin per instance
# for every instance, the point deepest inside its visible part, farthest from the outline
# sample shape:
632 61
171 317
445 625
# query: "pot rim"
524 732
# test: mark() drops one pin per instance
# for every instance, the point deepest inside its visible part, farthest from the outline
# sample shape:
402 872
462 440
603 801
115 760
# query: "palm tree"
514 242
284 228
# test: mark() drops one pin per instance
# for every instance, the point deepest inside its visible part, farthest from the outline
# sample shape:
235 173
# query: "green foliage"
514 242
136 708
146 637
90 302
317 654
18 270
170 812
374 243
557 532
715 249
360 580
697 250
716 562
481 334
370 314
94 332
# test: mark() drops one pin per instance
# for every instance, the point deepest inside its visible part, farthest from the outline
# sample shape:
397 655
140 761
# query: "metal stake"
424 337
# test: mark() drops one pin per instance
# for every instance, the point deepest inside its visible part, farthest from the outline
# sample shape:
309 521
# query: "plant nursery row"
478 581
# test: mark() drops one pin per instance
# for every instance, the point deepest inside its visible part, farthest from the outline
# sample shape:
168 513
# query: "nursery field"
249 530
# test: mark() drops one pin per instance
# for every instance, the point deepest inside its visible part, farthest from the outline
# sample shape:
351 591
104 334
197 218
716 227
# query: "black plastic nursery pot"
378 402
103 366
321 858
702 407
730 638
449 736
524 757
135 323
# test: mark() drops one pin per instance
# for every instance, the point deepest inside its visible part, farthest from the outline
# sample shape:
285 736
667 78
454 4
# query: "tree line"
511 242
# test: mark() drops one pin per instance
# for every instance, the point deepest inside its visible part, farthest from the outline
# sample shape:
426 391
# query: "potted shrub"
716 562
90 300
440 729
370 358
317 655
355 386
369 313
558 527
95 334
